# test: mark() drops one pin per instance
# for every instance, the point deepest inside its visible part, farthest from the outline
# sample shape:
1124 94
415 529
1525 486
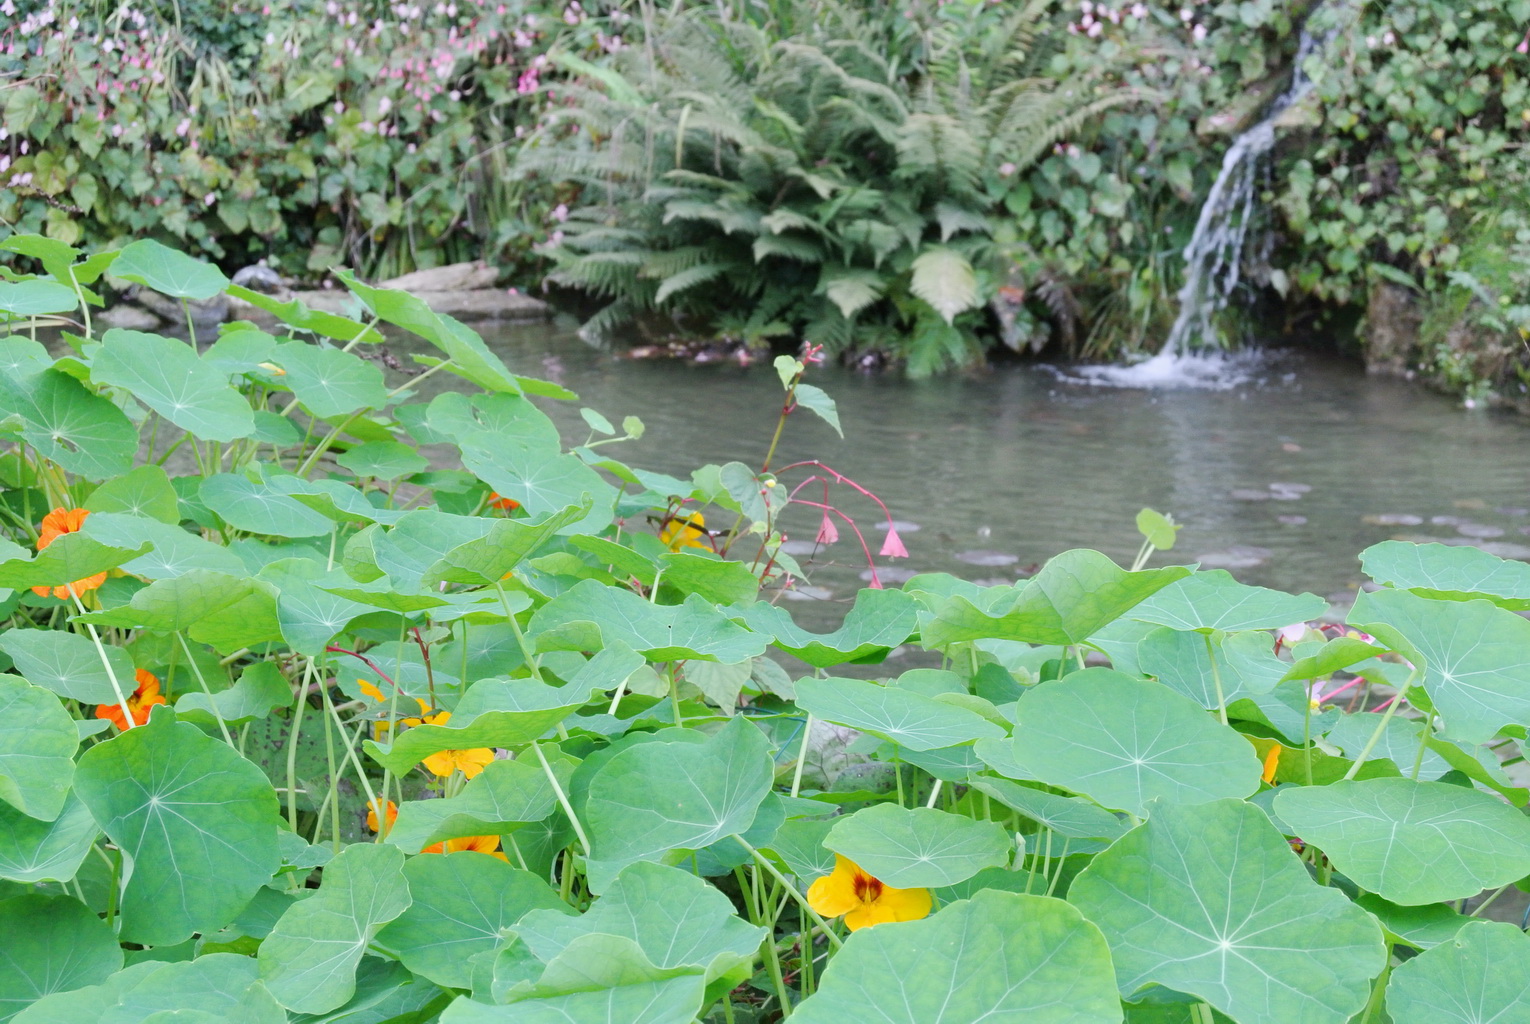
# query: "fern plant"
825 186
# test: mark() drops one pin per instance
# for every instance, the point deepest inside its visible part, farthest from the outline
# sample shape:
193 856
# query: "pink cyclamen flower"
893 547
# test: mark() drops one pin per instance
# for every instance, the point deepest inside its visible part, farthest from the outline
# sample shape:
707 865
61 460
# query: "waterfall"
1213 258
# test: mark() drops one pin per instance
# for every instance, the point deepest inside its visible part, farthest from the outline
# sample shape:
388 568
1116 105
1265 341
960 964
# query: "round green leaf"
1123 742
37 744
67 663
710 790
879 620
999 956
1479 977
330 382
1411 842
196 824
309 960
919 847
167 376
38 851
215 987
82 432
460 903
34 298
52 944
145 492
1448 572
1210 900
1214 600
385 460
1068 816
168 271
259 508
175 551
906 718
505 795
695 629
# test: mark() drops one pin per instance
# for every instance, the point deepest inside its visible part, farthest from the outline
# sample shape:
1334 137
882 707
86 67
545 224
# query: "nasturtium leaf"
1449 572
1480 976
1158 529
502 797
67 424
878 621
711 790
385 460
168 271
1411 842
145 492
695 629
906 718
677 920
506 712
309 960
68 664
1420 927
216 988
998 956
38 851
798 844
1340 652
167 376
598 978
541 478
261 688
716 579
1214 600
196 824
1068 816
308 615
36 298
52 944
260 508
918 847
332 499
180 602
296 313
22 357
1399 743
460 903
330 382
1476 657
1074 595
70 558
239 351
174 552
507 543
1242 663
408 549
37 744
1123 742
1210 900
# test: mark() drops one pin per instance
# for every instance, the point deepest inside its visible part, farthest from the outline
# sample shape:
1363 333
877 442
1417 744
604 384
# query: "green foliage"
340 737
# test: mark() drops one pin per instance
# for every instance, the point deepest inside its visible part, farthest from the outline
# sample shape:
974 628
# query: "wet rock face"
1392 320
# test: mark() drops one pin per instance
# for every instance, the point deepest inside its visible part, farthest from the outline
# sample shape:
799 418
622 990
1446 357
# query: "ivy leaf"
1209 900
817 400
309 960
196 824
970 963
918 847
52 944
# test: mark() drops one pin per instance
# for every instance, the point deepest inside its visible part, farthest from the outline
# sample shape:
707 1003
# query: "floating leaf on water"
987 559
1392 519
1479 531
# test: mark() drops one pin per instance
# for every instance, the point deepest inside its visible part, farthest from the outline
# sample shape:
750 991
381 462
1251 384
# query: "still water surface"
1282 480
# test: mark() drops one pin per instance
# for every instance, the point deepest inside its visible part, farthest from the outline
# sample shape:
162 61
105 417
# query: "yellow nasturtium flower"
685 530
865 900
444 762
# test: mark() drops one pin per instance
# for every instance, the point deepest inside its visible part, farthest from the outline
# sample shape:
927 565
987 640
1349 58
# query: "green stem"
1425 731
334 778
674 692
568 808
292 745
95 638
1216 679
934 793
1381 727
1378 991
791 891
807 731
196 670
773 966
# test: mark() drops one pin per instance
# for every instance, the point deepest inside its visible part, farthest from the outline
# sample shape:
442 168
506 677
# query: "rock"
204 313
128 317
1393 519
458 277
478 304
1391 341
1235 556
1479 530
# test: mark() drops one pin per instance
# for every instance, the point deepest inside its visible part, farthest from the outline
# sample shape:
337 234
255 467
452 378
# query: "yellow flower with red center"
54 525
685 530
863 899
143 699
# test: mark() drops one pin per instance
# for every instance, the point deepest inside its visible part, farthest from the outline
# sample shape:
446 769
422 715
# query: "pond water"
1282 479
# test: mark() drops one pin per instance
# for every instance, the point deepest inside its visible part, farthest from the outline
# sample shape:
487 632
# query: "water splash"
1213 261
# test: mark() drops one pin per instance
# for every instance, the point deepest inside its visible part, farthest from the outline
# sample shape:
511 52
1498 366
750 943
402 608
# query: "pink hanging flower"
893 547
827 532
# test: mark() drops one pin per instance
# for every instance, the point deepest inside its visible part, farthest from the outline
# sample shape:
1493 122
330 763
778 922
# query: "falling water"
1213 259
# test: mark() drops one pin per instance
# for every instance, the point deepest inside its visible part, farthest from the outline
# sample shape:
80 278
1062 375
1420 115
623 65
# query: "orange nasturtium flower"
476 844
864 900
389 816
143 698
685 530
1271 763
507 504
54 525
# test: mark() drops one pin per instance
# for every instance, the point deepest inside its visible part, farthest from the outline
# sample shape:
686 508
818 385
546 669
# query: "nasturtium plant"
318 707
